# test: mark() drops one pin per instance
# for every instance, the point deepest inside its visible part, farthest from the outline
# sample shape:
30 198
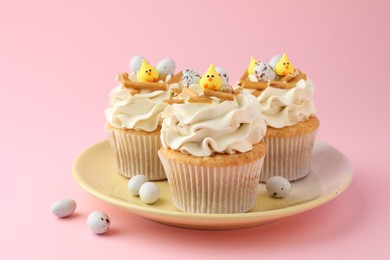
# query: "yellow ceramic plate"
94 171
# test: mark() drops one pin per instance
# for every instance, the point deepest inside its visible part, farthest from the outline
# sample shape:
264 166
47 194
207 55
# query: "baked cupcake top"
284 92
204 120
137 102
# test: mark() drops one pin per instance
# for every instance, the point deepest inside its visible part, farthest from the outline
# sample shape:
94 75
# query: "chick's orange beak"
210 79
287 67
149 73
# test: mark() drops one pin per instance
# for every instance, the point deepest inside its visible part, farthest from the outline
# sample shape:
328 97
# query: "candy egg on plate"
135 183
278 187
149 192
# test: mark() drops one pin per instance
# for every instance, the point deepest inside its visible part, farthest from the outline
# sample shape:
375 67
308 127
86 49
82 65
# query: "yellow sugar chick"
147 73
211 79
253 63
284 66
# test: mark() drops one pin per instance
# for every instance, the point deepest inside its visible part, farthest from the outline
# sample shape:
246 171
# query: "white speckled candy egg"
264 72
135 63
149 192
63 208
166 66
98 222
278 187
189 77
135 183
224 75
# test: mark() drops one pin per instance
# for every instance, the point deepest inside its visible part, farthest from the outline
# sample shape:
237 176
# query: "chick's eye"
208 76
150 70
212 76
146 71
288 63
284 63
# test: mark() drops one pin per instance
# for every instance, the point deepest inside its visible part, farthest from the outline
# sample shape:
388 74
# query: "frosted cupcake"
285 95
134 119
212 147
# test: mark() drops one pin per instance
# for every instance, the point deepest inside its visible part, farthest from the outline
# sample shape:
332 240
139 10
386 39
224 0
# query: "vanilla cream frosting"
203 129
286 107
140 111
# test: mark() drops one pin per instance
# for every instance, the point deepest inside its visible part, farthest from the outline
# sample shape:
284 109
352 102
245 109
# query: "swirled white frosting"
140 111
286 107
202 129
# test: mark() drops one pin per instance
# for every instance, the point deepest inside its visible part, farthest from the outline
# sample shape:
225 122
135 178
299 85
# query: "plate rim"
149 212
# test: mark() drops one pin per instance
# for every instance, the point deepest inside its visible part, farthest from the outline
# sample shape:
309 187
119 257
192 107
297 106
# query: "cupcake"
212 147
285 95
134 118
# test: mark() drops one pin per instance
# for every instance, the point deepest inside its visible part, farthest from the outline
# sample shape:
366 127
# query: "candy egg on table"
135 183
224 75
135 63
264 72
189 77
278 187
166 66
98 222
149 192
63 208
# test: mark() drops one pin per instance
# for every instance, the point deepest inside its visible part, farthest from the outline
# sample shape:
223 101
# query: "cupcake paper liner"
289 157
136 154
202 189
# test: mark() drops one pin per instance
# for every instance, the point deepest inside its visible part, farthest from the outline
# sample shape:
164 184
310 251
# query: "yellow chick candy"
284 66
211 80
252 65
147 73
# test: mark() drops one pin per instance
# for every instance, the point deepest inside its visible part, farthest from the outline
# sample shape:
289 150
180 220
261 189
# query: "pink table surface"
58 60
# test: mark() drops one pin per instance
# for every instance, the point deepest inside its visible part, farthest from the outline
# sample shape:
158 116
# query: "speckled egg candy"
278 187
98 222
190 76
63 208
264 72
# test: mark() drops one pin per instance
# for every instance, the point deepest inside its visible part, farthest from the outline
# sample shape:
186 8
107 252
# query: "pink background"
58 61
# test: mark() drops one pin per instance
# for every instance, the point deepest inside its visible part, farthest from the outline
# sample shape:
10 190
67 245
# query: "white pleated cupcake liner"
201 189
289 157
136 154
